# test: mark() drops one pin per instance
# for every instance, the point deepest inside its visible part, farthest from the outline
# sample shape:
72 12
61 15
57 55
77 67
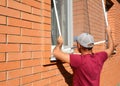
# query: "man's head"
86 40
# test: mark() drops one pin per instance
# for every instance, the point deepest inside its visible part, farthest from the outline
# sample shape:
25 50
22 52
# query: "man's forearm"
110 40
57 50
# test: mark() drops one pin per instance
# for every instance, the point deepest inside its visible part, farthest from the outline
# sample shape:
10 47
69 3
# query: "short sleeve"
74 60
103 56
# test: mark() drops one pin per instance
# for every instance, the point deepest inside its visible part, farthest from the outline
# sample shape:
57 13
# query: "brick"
37 83
46 7
32 3
2 76
29 84
46 13
46 54
18 56
31 17
46 27
31 78
29 32
3 2
46 47
2 57
3 83
62 82
2 20
47 20
47 41
14 22
47 33
36 26
45 74
37 40
38 69
47 1
26 24
13 74
54 79
55 83
44 82
9 12
26 47
9 30
36 11
37 54
30 63
18 39
46 60
26 71
12 82
9 47
19 6
9 65
2 38
19 23
19 73
36 47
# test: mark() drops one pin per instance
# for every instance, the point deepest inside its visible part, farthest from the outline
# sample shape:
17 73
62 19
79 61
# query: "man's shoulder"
100 53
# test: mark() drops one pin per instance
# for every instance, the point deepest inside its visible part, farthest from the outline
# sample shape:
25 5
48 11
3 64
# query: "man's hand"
58 53
60 40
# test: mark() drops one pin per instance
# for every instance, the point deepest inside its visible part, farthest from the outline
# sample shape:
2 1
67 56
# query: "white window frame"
106 21
67 48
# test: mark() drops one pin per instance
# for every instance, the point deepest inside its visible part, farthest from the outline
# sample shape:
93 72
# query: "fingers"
60 40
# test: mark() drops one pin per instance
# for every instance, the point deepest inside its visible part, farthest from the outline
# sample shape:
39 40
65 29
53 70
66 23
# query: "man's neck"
86 52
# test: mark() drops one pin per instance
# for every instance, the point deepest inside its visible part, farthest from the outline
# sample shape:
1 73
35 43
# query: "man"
86 66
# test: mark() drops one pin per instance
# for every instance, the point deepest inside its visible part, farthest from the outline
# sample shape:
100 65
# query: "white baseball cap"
86 40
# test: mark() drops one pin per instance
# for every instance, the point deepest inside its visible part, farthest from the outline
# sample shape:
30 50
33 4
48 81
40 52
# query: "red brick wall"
25 42
110 75
89 17
80 17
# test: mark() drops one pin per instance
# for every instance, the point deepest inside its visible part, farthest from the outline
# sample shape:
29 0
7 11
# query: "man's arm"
57 52
110 48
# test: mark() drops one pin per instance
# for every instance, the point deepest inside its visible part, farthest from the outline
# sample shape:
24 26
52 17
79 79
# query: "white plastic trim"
56 13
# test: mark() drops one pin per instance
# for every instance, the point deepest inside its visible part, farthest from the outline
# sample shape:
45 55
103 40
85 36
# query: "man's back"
87 71
87 68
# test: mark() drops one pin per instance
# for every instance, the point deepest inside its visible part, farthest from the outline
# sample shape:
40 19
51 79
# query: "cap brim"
75 38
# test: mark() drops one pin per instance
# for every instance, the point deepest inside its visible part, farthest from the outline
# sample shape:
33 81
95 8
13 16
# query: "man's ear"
78 45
